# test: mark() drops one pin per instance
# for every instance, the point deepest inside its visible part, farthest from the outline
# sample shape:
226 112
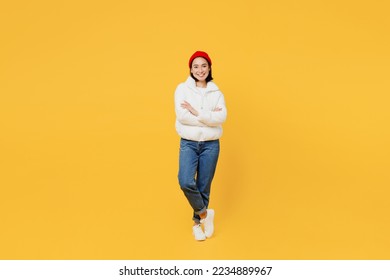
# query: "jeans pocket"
184 145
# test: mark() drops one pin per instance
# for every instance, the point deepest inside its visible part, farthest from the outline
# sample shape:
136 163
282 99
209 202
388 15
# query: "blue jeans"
197 163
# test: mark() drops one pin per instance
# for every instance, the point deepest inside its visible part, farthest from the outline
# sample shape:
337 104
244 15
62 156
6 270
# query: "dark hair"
209 77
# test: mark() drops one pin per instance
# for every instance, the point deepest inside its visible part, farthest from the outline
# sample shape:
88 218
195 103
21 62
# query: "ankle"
203 215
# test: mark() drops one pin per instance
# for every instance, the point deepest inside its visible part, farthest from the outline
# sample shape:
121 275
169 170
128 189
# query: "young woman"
200 111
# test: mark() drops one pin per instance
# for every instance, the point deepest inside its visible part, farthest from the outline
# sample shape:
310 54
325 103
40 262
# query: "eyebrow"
200 64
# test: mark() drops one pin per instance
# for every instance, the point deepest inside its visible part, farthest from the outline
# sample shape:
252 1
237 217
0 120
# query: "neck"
201 84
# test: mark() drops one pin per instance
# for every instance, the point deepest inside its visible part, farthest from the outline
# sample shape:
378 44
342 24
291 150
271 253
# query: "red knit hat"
199 54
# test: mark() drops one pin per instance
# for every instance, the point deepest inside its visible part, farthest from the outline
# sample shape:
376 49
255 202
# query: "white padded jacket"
208 125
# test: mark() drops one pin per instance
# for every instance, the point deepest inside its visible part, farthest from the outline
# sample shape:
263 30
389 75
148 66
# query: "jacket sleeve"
217 118
183 115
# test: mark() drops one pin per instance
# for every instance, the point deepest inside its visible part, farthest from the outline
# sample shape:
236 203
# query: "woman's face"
200 69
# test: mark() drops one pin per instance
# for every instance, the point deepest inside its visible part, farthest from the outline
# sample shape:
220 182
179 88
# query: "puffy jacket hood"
191 83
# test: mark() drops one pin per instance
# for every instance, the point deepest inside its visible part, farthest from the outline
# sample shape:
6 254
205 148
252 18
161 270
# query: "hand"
186 105
217 109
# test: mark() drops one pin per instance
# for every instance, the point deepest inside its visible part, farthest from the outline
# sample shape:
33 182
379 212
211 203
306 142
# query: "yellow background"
89 153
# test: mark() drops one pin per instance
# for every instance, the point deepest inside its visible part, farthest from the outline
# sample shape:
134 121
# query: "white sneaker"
198 233
208 223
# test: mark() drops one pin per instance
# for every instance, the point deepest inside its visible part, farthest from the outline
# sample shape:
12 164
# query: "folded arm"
215 117
185 113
